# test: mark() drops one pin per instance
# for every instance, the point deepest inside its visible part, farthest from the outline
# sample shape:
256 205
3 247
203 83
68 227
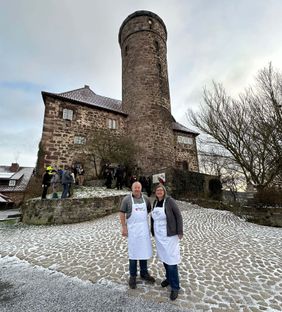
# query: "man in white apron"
134 221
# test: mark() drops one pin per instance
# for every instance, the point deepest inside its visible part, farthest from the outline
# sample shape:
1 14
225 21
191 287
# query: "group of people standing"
119 175
65 178
166 227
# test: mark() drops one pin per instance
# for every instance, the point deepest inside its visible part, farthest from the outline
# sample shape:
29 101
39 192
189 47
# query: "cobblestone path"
227 264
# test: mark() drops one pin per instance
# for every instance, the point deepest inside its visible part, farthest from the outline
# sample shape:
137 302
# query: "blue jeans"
65 190
133 267
172 276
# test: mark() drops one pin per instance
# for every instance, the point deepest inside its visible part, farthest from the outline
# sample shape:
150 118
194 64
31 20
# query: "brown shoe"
132 282
147 277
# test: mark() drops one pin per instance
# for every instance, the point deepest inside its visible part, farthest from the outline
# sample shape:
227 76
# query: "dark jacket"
46 179
67 177
173 218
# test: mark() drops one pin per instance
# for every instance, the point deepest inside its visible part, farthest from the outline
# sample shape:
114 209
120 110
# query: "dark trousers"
65 190
119 183
133 267
44 193
172 276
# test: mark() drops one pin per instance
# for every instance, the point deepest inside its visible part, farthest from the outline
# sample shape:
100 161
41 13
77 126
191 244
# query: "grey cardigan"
173 218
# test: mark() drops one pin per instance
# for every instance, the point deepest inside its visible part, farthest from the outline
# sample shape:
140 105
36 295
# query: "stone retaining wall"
68 210
270 216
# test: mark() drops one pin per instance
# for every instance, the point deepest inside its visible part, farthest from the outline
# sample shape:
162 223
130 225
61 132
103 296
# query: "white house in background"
13 182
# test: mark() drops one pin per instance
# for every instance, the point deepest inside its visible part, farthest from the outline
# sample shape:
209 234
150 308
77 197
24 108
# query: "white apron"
139 241
168 250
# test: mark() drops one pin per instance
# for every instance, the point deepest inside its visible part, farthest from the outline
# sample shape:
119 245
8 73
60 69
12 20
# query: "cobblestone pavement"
227 264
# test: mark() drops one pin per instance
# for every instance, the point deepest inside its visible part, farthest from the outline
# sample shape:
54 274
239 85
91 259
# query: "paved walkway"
227 264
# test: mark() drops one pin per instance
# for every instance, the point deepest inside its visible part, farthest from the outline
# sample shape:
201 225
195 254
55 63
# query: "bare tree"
218 161
249 127
105 147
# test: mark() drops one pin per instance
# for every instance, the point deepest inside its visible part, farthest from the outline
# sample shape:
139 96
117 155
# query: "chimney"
14 167
86 86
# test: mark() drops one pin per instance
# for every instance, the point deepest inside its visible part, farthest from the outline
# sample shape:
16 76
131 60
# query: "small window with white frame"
79 140
184 140
112 124
12 182
67 114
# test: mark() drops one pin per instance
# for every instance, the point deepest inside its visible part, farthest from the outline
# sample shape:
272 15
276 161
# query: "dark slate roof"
86 96
4 199
178 127
22 177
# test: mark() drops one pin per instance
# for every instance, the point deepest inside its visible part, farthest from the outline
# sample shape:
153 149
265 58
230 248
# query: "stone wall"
58 135
183 184
69 210
270 216
186 152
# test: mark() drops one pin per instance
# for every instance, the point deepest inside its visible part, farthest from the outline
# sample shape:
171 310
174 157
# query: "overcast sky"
61 45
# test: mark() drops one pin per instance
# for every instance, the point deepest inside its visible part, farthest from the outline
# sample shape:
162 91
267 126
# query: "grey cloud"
62 45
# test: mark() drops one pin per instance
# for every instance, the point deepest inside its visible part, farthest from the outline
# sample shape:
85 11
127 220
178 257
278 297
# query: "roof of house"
178 127
4 199
22 177
86 96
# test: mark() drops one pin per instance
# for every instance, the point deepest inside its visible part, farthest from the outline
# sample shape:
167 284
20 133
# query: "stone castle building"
144 112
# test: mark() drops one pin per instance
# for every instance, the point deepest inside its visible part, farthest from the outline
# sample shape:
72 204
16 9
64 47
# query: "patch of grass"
9 222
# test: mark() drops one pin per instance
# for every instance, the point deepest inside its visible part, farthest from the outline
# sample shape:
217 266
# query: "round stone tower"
145 89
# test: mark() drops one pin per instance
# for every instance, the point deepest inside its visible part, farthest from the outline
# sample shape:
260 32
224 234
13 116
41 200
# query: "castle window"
112 124
157 46
184 140
126 50
79 140
67 114
150 22
12 183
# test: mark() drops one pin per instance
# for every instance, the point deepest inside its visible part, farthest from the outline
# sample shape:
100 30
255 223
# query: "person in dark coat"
143 182
119 177
109 179
132 180
46 182
149 186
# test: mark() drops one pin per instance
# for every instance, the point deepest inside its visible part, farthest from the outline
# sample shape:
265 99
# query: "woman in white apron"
167 227
134 220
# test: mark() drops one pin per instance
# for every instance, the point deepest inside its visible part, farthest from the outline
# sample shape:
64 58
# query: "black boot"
173 295
132 282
